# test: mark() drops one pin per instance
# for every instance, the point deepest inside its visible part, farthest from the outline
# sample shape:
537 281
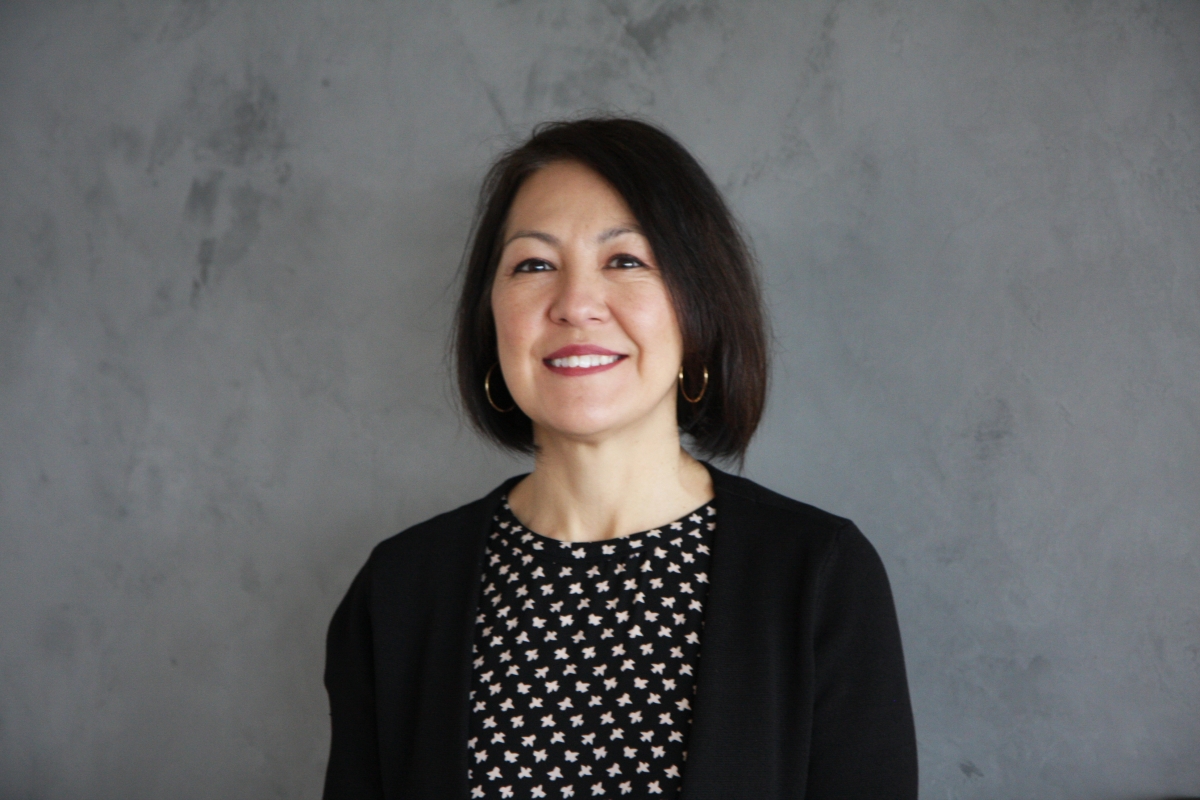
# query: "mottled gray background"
228 238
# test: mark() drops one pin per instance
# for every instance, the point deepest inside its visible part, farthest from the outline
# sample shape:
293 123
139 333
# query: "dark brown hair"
705 264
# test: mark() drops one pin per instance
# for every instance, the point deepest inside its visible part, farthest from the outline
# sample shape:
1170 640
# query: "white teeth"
583 362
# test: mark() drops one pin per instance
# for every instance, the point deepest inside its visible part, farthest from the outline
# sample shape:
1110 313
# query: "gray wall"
228 238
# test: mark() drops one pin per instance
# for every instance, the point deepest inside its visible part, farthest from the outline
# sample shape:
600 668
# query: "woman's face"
588 340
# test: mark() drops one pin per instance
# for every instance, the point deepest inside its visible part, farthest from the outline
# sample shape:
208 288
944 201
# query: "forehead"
567 195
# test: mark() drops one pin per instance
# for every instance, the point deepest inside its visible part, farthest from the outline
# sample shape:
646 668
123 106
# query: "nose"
580 298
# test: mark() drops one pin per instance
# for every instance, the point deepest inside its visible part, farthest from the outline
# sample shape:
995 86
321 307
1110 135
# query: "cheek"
513 319
653 318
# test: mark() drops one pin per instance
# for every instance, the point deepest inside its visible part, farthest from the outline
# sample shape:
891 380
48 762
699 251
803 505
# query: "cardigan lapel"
445 708
738 735
468 602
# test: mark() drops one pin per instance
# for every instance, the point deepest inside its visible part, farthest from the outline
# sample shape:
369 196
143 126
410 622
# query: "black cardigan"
801 686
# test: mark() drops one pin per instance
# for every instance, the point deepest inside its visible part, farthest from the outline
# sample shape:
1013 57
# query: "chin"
584 423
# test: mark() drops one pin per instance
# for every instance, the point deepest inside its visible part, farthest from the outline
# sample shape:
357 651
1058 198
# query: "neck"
582 491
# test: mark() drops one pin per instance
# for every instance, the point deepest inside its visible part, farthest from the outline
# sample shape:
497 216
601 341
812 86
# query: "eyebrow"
613 233
541 236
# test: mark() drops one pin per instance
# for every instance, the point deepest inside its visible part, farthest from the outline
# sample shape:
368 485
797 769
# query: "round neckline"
631 545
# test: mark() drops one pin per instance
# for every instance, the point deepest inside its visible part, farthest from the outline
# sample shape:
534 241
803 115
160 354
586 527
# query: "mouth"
582 360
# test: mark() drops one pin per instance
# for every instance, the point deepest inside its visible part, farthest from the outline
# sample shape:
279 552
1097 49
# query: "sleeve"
353 770
863 740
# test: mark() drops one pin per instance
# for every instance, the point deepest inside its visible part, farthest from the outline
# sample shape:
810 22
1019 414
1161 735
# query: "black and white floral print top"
585 661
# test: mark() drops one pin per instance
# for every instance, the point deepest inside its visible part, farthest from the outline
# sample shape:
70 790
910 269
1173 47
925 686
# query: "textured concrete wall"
228 238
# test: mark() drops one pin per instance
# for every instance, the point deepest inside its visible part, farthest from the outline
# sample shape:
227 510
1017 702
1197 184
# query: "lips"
582 359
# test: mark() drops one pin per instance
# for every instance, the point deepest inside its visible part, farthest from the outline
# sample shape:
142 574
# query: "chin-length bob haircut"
705 263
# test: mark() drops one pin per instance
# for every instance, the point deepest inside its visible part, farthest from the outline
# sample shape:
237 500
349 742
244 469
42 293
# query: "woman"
624 620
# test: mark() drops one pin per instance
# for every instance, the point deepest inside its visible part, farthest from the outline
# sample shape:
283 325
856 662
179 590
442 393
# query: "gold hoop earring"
703 389
487 391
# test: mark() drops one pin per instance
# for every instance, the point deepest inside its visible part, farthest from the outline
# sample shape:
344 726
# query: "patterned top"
585 660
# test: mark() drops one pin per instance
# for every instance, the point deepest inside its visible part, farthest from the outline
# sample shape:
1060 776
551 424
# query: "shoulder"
756 505
440 535
767 503
755 512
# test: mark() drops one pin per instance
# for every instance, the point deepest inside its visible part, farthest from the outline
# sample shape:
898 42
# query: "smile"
583 362
582 359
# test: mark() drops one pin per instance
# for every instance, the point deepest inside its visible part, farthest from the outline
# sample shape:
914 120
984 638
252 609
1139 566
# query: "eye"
533 265
624 261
